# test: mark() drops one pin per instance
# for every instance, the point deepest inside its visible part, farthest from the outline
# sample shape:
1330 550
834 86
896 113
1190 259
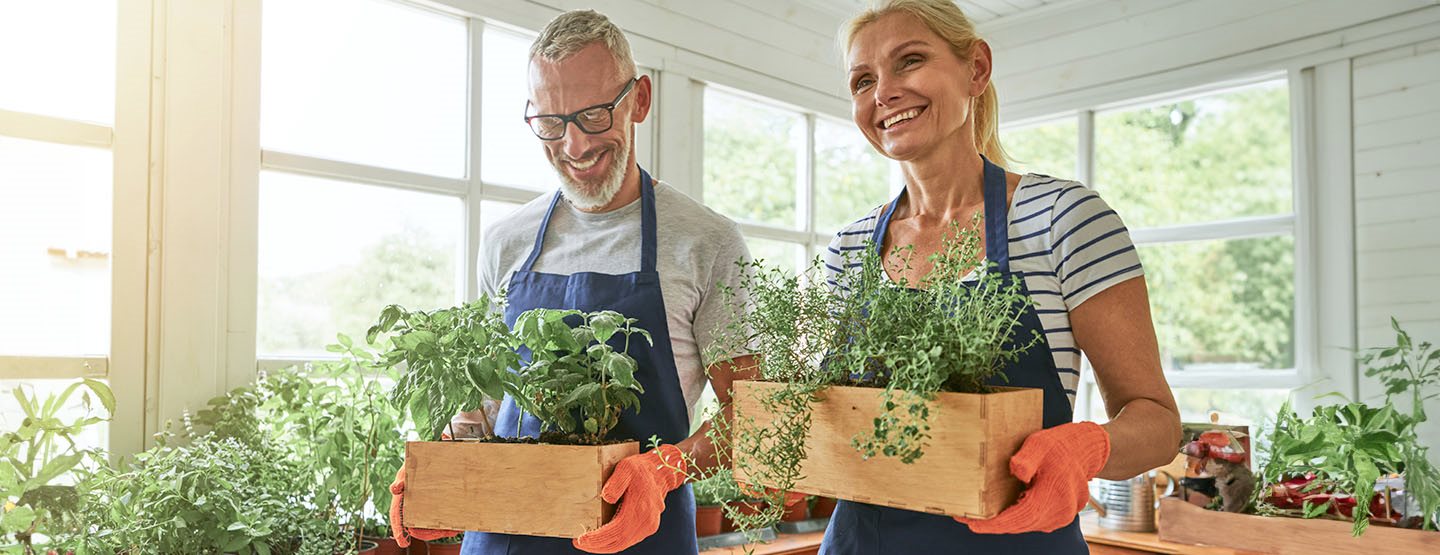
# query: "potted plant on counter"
1348 478
576 381
862 377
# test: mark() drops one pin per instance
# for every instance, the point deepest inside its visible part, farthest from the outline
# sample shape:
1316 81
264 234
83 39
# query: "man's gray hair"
573 30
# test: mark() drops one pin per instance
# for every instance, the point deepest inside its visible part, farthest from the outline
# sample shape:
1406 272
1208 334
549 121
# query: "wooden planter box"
1182 522
965 470
513 488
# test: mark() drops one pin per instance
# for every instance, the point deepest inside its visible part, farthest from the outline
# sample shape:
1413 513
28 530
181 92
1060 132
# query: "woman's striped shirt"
1067 242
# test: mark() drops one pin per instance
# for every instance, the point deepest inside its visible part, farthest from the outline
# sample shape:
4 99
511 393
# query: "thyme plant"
952 331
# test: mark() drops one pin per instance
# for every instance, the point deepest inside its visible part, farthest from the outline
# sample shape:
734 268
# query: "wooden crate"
1182 522
514 488
965 470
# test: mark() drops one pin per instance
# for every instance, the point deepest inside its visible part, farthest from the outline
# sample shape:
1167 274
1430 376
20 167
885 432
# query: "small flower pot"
743 507
823 507
796 512
558 484
386 546
708 520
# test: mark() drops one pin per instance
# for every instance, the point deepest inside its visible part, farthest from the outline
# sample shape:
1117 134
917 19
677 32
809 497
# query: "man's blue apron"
636 295
863 529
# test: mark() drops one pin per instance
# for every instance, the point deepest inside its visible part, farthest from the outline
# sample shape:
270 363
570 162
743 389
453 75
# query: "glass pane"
58 58
850 176
510 152
1223 305
752 159
775 253
1252 407
55 216
332 254
96 436
1046 149
369 82
1212 158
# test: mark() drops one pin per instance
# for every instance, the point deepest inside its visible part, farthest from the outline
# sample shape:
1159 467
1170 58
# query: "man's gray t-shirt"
698 249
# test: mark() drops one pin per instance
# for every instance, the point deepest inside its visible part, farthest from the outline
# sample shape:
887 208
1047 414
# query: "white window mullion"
1085 148
475 188
53 368
334 169
1244 228
53 130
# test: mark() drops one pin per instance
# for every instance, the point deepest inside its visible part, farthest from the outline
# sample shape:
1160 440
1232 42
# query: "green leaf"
55 467
18 519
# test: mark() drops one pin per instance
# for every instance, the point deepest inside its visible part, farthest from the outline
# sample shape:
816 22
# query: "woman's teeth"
902 116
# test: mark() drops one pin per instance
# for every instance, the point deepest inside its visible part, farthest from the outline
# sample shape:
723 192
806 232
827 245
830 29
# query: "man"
614 239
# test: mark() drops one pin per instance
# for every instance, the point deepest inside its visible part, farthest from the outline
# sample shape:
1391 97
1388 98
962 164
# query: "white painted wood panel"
1397 161
1399 131
1396 104
1397 183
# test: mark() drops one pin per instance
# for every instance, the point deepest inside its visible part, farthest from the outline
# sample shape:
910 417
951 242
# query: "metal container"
1129 505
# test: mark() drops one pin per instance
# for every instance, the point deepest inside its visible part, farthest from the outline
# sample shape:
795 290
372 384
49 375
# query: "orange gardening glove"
398 529
1057 464
639 484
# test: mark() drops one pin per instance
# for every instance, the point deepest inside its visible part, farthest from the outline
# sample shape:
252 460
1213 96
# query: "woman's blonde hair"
945 19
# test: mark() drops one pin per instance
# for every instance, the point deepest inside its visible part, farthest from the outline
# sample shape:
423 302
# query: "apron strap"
540 235
647 227
997 221
648 242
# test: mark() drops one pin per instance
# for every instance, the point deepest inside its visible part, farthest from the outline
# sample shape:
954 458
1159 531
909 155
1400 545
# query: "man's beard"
595 196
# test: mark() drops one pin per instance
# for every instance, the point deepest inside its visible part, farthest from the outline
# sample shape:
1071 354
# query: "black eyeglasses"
595 119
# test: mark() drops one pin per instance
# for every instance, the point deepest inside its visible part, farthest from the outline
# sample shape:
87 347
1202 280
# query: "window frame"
811 239
472 190
127 138
1298 224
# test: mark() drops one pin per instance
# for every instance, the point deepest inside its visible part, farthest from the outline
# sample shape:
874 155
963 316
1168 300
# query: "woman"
920 83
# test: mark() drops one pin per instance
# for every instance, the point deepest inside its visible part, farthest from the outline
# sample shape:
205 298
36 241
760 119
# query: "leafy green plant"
717 489
1328 464
952 331
453 359
40 462
576 380
213 495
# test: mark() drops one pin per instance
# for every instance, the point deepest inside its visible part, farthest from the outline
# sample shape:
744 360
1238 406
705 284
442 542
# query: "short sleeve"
1090 246
717 309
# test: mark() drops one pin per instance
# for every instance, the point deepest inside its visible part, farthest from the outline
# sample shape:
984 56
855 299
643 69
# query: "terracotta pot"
708 520
824 507
386 546
427 548
752 507
796 512
367 547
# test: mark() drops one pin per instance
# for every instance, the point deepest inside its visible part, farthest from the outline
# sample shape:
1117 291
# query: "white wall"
1397 198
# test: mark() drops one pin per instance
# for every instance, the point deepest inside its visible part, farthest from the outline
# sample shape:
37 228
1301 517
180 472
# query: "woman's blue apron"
636 295
863 529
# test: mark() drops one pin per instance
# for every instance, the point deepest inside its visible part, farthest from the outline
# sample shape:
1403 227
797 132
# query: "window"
1048 148
371 189
791 178
1204 184
57 188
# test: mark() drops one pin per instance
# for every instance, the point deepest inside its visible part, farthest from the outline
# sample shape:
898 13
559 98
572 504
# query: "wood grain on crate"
529 489
965 469
1181 522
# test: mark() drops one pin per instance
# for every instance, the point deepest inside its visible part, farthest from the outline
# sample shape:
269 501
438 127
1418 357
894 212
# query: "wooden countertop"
1143 542
1123 542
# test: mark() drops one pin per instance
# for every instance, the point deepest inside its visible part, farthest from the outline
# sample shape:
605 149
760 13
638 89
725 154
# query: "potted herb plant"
41 463
1323 479
576 380
711 496
862 377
